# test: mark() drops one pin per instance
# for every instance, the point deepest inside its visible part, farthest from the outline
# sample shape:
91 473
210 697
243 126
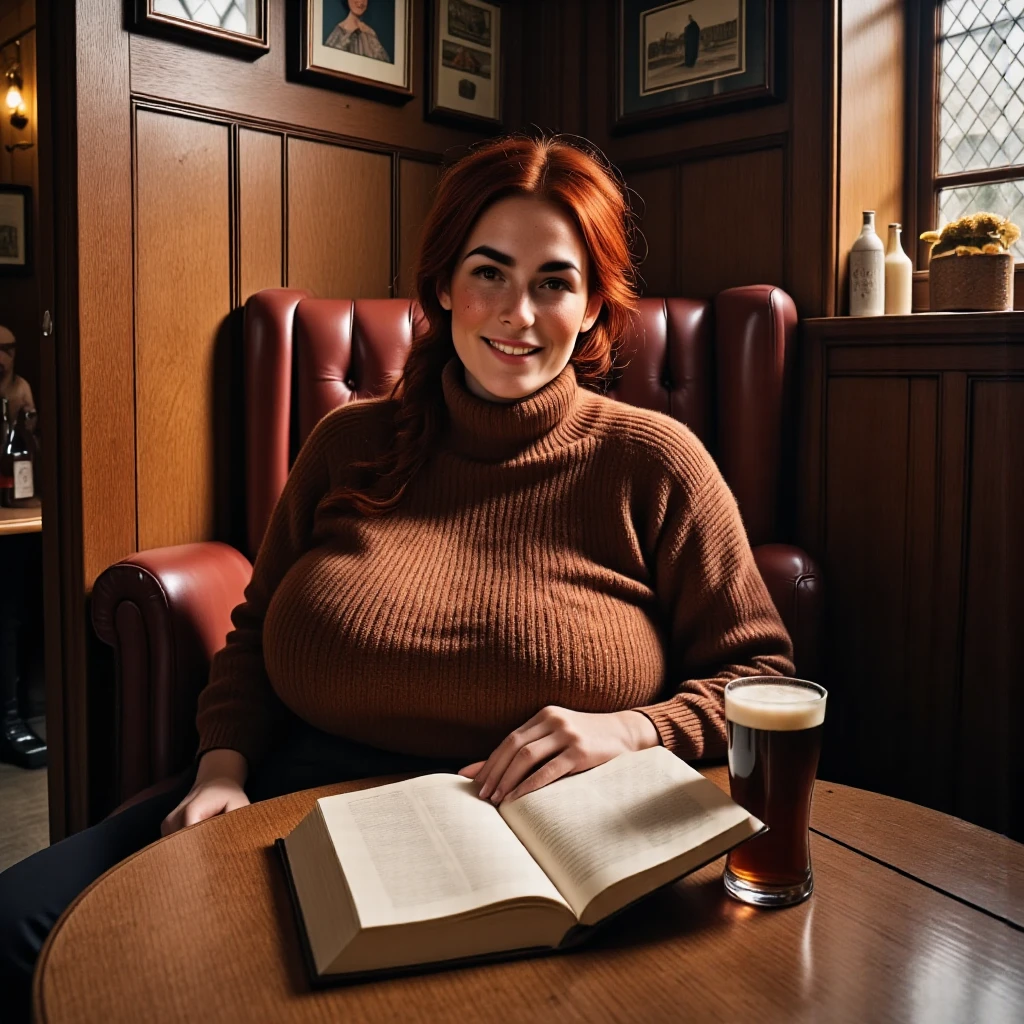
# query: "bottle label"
23 487
867 283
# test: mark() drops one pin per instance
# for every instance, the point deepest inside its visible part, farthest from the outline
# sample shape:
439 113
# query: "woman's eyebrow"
508 261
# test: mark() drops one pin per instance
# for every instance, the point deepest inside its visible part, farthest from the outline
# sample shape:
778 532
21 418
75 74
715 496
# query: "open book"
423 871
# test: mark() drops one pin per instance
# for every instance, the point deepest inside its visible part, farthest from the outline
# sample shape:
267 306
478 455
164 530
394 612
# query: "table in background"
916 916
21 520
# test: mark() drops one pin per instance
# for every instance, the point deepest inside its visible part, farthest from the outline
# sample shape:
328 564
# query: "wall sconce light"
15 101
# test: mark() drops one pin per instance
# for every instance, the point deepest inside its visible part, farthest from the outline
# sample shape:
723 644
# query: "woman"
353 35
495 570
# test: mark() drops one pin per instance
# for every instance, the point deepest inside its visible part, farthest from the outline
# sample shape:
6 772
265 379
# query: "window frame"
922 102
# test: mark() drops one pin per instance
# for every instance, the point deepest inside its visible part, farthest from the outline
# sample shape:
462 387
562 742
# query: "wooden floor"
23 809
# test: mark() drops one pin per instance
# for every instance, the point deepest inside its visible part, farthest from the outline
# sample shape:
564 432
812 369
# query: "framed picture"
15 230
465 66
361 46
235 26
687 58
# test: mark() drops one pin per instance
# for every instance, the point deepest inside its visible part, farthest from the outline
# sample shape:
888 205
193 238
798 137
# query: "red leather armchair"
722 367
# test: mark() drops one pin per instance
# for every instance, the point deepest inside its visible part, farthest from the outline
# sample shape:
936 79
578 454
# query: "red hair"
584 184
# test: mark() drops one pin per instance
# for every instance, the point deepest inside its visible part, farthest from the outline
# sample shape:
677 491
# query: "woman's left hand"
563 742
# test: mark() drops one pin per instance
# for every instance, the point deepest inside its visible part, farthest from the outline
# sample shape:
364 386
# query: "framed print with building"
361 46
465 66
15 230
686 58
235 26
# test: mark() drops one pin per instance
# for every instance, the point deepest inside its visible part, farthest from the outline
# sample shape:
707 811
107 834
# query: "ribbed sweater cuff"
679 726
252 747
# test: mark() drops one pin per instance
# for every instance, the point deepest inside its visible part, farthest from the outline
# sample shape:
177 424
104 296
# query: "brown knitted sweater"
565 549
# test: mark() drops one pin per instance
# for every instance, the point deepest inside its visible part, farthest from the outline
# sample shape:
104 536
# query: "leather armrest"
165 612
795 585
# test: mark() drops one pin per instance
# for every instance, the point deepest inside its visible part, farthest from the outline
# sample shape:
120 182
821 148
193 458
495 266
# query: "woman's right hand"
217 789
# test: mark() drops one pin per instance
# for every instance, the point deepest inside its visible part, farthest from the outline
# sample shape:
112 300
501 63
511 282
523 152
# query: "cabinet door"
990 776
891 697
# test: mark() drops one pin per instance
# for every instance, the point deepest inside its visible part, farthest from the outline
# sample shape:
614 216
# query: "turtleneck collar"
498 431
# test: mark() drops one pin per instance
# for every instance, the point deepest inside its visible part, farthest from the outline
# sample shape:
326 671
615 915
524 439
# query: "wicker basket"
981 281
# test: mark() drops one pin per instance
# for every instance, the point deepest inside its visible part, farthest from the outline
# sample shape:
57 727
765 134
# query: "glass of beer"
775 726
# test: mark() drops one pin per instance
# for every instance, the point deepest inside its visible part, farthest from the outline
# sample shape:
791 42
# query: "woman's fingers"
472 770
563 764
523 762
494 767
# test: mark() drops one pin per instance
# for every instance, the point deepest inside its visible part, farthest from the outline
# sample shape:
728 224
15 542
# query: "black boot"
18 743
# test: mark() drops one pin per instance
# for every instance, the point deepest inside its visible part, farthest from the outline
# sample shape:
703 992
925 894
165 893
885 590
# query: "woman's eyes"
493 274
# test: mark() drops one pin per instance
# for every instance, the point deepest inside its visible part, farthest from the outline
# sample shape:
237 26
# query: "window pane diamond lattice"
981 89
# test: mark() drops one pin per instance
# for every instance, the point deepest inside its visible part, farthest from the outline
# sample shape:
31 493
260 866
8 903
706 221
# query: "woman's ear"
444 296
593 311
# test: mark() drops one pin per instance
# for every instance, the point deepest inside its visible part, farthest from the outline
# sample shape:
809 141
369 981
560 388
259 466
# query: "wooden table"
21 520
916 916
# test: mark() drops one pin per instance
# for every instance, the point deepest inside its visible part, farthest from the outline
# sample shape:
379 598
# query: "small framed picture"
361 46
235 26
466 68
15 230
687 58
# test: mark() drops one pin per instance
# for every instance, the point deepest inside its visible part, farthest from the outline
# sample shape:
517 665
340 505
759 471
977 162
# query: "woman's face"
520 282
358 7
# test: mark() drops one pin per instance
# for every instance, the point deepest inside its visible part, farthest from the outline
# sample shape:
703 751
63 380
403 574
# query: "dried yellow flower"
974 234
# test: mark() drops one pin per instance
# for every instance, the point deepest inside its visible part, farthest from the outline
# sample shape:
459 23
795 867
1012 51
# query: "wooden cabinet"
913 491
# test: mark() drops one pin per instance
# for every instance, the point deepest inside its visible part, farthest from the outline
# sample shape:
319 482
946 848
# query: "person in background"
12 387
353 35
19 744
497 569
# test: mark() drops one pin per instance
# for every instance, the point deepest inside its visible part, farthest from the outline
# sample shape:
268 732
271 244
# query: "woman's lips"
505 357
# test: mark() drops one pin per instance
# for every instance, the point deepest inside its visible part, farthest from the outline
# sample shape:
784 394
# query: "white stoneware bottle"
867 271
899 273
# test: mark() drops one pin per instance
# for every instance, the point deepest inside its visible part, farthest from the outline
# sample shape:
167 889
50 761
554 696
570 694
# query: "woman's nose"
518 314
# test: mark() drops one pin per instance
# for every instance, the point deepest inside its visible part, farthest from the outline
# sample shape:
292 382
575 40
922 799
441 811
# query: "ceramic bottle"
867 271
899 272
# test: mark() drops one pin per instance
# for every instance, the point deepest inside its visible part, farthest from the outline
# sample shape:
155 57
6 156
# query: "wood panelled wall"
334 219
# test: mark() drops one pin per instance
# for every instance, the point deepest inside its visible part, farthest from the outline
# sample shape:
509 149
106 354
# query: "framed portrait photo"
686 58
235 26
465 66
361 46
15 230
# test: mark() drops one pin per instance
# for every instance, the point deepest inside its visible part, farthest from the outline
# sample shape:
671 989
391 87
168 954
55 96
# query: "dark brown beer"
775 731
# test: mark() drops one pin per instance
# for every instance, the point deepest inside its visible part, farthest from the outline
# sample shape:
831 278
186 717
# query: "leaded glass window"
980 115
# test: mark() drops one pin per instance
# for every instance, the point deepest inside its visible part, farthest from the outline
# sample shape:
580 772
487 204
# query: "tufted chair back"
720 366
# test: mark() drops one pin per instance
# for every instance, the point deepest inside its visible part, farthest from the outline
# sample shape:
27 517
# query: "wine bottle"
19 452
6 463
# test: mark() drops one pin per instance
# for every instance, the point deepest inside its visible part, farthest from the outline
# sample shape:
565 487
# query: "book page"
641 809
426 848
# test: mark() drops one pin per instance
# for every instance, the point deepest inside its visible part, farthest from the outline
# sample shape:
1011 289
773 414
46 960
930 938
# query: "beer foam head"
774 706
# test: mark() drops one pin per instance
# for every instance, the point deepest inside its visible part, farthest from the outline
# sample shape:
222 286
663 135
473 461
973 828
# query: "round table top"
916 916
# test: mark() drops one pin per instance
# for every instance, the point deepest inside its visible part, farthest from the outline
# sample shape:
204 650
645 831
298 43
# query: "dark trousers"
35 891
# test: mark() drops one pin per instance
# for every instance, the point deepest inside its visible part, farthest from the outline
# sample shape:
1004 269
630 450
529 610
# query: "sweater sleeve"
238 708
721 620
